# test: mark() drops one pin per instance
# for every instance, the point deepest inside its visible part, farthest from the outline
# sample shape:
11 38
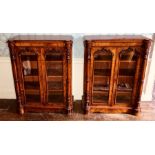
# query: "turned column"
69 76
88 57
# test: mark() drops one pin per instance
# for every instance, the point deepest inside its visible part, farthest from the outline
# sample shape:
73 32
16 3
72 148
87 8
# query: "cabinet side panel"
145 50
13 54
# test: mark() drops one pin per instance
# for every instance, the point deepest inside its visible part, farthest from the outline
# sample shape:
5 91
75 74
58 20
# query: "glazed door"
128 73
29 75
55 66
103 64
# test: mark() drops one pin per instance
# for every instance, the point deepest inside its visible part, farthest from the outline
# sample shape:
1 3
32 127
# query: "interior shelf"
102 72
124 90
123 99
53 61
31 84
30 72
55 90
99 91
32 91
54 72
31 78
127 65
54 57
126 72
31 57
55 78
102 61
32 98
55 98
124 86
57 85
101 88
100 98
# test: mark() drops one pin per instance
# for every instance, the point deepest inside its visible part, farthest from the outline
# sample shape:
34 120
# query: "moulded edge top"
41 38
115 38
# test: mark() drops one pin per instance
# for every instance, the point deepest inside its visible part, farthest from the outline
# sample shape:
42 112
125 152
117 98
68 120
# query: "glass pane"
101 75
55 85
31 79
127 70
54 56
100 97
32 98
55 97
54 69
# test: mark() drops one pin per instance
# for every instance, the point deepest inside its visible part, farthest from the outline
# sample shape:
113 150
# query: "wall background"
6 80
77 39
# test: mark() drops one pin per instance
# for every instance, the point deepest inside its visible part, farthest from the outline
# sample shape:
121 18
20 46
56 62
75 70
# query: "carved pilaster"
68 48
69 107
12 49
145 56
16 80
68 45
13 57
19 99
87 103
87 93
88 44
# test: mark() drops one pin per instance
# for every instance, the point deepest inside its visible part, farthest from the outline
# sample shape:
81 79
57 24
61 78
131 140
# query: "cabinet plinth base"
113 110
109 109
52 109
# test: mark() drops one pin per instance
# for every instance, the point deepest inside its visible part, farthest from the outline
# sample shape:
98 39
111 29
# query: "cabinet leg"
69 110
135 112
70 105
21 110
86 109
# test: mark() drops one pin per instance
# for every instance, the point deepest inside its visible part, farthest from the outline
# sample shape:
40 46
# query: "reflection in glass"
27 67
31 78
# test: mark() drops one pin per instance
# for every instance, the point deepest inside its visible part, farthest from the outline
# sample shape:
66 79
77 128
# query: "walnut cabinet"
114 70
42 69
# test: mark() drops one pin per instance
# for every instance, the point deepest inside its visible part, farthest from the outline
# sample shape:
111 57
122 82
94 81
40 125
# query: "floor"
8 112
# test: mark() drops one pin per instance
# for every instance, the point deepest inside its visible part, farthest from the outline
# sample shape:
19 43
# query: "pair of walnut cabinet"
114 69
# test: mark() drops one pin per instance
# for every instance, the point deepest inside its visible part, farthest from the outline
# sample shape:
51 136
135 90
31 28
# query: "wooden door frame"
136 76
91 70
44 67
20 72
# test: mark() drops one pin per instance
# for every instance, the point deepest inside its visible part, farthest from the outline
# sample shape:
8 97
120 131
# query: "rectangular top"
116 38
42 38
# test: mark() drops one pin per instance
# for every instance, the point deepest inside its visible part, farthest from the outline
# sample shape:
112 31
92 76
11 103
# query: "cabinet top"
115 38
42 38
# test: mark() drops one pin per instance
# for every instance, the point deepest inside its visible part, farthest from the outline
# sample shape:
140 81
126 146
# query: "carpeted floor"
8 112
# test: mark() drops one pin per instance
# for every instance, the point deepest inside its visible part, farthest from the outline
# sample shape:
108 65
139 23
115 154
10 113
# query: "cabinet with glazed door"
42 73
113 73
